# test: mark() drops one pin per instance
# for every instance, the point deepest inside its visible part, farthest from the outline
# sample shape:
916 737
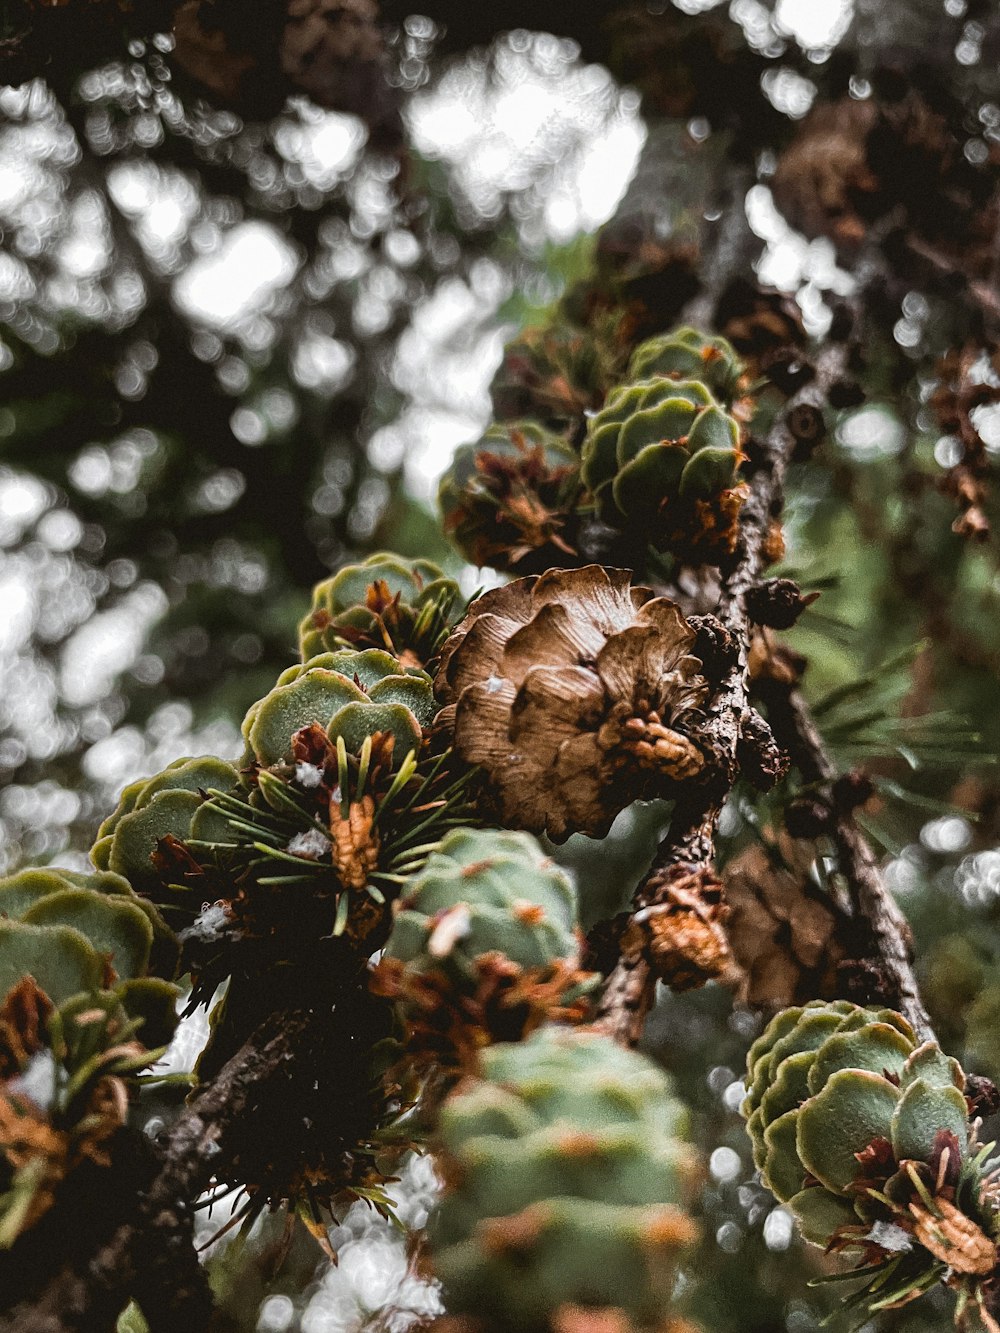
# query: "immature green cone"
553 374
568 1174
687 354
278 872
79 933
74 993
400 606
485 942
337 740
864 1133
63 1095
168 805
663 453
351 695
509 500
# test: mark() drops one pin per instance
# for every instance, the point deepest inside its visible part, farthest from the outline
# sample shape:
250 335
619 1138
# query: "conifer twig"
687 851
871 900
152 1255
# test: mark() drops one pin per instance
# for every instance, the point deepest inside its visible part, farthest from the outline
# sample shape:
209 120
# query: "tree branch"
685 856
151 1256
871 901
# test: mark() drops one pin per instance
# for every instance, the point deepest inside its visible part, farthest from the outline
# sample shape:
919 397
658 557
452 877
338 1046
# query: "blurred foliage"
214 341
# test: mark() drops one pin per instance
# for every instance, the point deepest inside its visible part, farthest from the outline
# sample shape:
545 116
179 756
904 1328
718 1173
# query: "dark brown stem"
687 851
871 901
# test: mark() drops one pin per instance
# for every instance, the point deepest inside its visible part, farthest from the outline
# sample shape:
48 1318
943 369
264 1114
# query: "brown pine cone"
576 694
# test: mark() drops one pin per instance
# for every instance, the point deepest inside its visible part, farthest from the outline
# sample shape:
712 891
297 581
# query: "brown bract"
355 841
29 1141
448 1028
23 1017
683 934
786 934
576 693
954 1238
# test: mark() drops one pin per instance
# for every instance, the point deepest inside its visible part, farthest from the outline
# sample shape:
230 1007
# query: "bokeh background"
233 355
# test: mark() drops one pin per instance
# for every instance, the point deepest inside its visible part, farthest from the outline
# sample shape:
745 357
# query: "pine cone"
508 500
687 354
865 1135
569 1176
662 455
78 933
552 374
279 873
575 692
352 695
824 184
74 951
168 805
785 934
485 943
386 602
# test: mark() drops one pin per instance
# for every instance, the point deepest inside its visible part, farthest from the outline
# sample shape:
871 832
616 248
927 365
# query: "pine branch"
888 929
687 851
151 1256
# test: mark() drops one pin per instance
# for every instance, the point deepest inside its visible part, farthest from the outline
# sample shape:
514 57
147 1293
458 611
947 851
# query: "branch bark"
687 851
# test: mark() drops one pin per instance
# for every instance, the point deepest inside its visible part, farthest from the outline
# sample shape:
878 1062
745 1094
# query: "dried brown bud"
808 428
778 603
773 548
23 1015
760 759
982 1095
682 933
717 649
806 818
851 790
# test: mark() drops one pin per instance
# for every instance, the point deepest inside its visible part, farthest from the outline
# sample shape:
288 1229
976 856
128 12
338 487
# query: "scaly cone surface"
75 996
575 692
280 872
568 1174
664 450
864 1133
509 500
485 945
401 606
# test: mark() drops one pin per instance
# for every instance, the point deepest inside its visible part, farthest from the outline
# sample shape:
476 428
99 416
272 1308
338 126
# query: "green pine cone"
689 354
658 444
569 1174
75 992
485 891
863 1131
170 804
387 602
508 500
77 934
554 373
351 695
